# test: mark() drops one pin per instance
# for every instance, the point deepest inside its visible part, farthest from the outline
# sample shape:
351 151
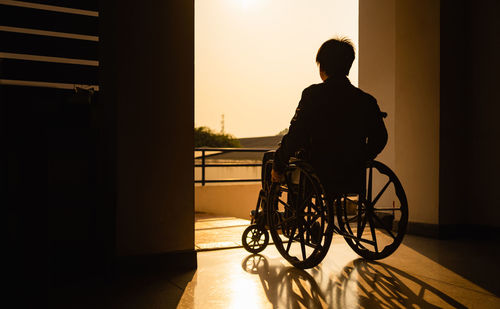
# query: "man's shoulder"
368 101
322 89
313 88
317 88
366 96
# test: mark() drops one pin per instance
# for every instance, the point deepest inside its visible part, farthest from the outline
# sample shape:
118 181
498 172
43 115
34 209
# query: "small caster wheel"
255 238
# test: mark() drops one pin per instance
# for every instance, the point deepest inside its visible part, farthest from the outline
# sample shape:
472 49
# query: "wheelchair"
302 220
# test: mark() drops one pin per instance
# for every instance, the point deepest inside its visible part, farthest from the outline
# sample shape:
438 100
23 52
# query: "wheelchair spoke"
299 212
361 222
381 192
346 226
312 213
319 204
383 225
315 207
305 202
307 229
287 207
353 218
374 236
255 242
286 221
373 221
309 224
308 221
314 246
300 192
290 240
370 183
360 212
308 242
302 245
361 226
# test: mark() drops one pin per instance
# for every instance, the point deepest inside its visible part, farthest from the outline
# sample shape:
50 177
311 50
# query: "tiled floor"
214 232
408 279
422 273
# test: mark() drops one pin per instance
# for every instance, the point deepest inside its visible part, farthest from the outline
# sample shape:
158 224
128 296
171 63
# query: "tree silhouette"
205 137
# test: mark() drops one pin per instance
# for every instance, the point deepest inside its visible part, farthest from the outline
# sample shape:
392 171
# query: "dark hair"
335 56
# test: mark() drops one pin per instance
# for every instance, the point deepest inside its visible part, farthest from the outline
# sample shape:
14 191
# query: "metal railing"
219 151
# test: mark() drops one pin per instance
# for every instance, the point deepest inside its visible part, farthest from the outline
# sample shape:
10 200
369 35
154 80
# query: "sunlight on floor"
235 279
212 231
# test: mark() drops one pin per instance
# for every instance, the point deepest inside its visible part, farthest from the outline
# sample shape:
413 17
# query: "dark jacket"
340 127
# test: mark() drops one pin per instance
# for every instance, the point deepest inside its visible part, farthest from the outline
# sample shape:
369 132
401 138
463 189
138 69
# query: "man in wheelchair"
335 134
338 125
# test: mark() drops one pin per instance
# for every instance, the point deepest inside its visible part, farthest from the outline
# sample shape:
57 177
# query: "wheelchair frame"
353 213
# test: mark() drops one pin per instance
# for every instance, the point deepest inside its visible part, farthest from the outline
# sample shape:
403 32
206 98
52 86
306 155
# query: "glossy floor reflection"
212 231
407 279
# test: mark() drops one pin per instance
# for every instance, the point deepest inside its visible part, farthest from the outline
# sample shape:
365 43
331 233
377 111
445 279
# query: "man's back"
340 126
342 119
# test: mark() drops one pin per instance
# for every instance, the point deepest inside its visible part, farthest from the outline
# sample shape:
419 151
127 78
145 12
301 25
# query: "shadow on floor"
474 259
373 284
138 290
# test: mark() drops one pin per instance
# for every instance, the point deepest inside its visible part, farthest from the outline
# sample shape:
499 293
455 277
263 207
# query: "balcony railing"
218 151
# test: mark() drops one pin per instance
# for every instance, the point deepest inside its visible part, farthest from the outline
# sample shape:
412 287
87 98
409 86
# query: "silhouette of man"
339 125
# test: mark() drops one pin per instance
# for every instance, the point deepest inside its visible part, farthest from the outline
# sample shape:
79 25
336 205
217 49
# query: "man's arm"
376 131
295 138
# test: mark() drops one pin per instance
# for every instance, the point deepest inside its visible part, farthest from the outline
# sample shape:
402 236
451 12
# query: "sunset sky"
253 58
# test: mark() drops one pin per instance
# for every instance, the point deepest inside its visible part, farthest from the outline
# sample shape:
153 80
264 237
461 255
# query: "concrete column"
377 63
148 77
417 105
399 65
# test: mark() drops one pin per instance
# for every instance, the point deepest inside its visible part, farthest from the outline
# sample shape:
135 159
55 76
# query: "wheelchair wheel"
298 217
374 222
255 238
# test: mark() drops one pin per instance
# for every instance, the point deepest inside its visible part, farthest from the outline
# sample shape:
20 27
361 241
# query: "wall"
483 67
234 200
417 106
51 174
399 65
469 113
148 76
445 133
377 64
236 172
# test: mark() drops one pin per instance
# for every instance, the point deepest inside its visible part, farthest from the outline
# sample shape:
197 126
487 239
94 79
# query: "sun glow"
246 3
253 58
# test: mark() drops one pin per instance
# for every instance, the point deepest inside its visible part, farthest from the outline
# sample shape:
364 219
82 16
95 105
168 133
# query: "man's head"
335 57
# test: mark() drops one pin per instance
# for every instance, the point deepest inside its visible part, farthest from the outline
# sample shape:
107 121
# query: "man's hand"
276 176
